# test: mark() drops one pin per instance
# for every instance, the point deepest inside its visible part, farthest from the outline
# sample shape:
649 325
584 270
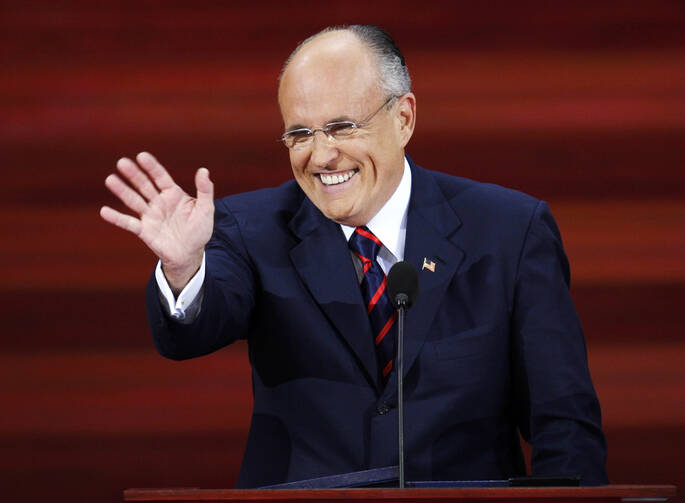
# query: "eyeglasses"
301 138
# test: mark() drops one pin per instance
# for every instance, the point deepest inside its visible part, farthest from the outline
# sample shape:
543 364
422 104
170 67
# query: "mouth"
330 179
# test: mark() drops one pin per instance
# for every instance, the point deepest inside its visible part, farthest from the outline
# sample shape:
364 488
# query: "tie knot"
365 244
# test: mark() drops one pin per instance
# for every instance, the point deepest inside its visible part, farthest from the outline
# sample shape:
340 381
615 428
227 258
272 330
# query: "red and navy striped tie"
381 313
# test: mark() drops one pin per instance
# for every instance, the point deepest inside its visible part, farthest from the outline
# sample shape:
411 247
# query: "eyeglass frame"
325 130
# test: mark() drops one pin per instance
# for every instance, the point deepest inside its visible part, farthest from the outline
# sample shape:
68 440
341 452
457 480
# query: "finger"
126 222
156 171
126 194
205 188
137 178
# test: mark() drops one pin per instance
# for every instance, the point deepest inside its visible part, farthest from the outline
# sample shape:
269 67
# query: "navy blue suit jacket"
493 344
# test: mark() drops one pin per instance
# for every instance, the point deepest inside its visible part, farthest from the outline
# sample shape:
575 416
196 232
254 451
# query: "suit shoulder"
261 215
269 202
470 196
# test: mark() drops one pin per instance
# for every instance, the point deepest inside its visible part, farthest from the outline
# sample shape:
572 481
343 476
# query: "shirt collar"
390 223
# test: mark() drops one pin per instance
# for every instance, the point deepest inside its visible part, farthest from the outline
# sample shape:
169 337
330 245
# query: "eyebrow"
341 118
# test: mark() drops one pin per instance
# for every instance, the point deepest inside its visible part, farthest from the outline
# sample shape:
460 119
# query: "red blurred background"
579 103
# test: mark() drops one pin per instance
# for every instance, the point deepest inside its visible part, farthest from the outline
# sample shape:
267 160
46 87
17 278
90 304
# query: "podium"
603 494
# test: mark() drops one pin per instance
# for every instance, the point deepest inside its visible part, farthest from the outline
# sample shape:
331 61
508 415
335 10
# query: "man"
493 344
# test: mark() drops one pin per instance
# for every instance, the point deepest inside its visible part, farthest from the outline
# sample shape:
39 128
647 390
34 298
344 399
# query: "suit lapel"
431 222
322 260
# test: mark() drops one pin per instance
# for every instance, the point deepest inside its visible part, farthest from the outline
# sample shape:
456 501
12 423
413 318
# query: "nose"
324 150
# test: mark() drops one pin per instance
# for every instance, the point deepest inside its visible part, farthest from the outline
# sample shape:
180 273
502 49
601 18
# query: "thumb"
205 188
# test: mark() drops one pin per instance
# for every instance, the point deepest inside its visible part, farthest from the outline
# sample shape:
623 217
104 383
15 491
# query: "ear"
406 117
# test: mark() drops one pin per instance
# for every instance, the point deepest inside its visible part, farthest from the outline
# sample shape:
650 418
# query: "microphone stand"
402 300
403 287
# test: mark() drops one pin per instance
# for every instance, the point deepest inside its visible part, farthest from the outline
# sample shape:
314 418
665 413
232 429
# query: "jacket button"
382 409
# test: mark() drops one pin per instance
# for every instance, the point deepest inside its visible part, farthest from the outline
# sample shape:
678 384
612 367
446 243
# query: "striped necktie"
381 313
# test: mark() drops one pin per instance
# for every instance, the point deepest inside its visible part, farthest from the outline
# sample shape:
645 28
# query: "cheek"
298 163
294 158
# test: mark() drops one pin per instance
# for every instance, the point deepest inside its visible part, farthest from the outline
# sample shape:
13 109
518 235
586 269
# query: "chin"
340 217
337 212
337 218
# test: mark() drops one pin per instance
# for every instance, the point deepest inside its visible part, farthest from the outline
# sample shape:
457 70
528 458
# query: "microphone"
403 285
403 288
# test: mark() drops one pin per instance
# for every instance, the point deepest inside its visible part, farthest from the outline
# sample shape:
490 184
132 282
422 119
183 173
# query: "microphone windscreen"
403 279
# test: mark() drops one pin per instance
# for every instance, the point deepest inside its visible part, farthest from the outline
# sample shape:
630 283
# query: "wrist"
178 275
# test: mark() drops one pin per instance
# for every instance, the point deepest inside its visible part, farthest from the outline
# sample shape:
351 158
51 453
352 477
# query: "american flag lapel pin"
428 264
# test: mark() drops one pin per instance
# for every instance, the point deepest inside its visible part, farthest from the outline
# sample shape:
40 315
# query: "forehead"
334 76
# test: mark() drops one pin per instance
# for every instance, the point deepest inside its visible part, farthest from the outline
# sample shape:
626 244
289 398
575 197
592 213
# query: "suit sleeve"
559 413
227 303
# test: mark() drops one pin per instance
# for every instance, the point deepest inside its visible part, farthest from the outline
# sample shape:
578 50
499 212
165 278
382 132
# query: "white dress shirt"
389 225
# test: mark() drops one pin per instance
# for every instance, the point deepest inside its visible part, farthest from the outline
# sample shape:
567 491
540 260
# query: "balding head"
392 71
334 58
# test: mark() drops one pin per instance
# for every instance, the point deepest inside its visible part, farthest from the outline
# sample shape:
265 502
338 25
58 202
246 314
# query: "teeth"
336 179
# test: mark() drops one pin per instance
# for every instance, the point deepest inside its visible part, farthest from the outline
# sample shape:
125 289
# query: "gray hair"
392 69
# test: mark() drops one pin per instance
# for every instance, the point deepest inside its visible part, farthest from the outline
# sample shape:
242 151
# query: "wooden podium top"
612 493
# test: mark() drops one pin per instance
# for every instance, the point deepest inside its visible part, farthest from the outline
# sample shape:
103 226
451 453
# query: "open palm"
174 225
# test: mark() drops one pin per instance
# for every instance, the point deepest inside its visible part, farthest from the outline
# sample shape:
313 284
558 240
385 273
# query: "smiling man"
493 344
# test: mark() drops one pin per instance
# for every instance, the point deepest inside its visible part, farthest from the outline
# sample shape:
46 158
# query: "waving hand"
174 225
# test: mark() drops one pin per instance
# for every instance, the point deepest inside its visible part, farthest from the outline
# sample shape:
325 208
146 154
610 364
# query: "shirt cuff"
177 308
